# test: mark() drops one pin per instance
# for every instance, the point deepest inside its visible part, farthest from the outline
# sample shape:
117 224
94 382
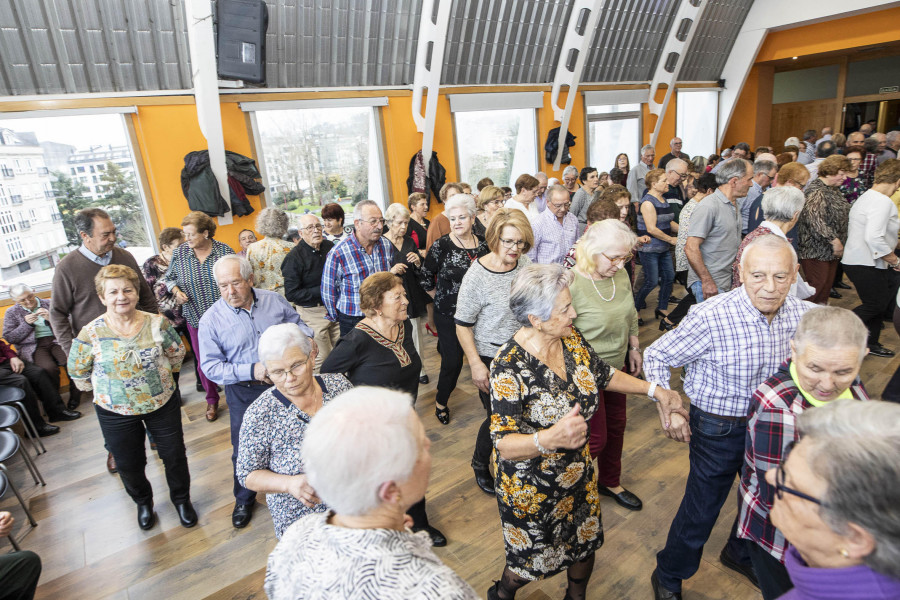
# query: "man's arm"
331 285
293 269
61 301
685 344
213 361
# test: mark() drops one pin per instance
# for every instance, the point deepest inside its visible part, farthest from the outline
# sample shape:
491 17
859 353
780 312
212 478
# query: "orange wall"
666 131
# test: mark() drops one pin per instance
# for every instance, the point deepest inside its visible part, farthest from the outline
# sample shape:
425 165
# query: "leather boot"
483 477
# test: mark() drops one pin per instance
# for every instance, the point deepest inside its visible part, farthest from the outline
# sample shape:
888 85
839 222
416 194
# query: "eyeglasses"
519 244
311 228
374 222
781 489
618 261
682 175
295 370
564 204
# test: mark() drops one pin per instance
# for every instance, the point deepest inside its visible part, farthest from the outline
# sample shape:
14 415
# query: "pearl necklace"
610 299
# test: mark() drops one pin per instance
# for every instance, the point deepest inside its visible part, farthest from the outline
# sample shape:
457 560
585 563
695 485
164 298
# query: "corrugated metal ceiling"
78 46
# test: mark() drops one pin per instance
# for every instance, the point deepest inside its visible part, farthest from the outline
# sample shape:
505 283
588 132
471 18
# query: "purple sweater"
851 583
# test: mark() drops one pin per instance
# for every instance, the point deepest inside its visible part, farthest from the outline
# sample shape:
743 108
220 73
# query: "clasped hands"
672 415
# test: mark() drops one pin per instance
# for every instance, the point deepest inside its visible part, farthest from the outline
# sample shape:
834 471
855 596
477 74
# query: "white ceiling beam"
431 42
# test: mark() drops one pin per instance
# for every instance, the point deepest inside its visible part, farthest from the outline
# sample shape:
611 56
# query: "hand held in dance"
299 488
180 298
413 258
679 428
570 432
668 402
481 376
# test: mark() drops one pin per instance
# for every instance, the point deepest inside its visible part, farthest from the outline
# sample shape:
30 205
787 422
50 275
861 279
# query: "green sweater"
605 325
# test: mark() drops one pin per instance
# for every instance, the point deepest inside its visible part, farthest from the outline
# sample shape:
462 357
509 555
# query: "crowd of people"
316 335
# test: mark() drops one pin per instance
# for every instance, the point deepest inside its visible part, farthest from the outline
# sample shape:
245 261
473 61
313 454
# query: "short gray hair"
674 162
853 447
272 222
19 289
829 327
647 148
763 166
465 201
571 169
769 242
782 203
244 265
735 167
892 137
396 210
358 210
278 338
535 289
557 189
384 448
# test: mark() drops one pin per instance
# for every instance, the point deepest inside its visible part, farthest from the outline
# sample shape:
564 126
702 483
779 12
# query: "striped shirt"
665 214
728 348
552 238
195 279
346 267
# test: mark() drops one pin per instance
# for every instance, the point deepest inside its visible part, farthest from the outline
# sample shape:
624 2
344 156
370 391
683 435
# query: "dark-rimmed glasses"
781 489
513 243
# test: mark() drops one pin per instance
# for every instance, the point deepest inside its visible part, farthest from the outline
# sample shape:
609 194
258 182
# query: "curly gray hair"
272 222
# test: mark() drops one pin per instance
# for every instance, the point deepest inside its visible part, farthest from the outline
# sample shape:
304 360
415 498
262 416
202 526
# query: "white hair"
275 341
602 236
769 242
394 211
465 201
647 148
782 203
571 169
19 289
736 167
674 162
358 211
535 289
792 141
360 440
830 327
244 265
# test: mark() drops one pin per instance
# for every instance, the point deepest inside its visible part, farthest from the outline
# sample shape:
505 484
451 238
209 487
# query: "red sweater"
6 353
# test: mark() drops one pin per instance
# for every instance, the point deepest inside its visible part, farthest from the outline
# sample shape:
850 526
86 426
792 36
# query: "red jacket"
6 353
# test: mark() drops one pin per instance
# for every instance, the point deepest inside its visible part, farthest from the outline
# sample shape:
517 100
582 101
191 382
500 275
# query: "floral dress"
549 505
265 257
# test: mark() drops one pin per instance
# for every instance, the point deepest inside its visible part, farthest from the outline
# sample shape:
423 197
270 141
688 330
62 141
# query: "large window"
313 156
500 144
612 130
696 120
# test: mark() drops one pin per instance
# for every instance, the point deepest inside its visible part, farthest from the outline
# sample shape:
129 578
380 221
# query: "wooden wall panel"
793 118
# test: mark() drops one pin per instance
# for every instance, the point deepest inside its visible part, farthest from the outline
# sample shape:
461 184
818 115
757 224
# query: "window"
313 156
612 130
500 144
696 120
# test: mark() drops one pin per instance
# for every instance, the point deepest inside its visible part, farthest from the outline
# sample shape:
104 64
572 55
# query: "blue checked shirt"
346 266
551 239
729 349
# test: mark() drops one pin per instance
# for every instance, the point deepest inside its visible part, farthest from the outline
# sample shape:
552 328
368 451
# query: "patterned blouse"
318 561
265 257
128 376
681 262
270 439
194 279
825 216
154 268
853 188
444 268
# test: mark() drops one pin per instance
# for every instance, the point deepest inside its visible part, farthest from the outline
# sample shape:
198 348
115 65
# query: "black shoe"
658 314
437 538
66 415
666 325
879 350
623 498
745 570
145 515
186 514
493 593
483 478
241 515
674 299
423 379
640 322
73 403
661 593
834 294
842 286
199 386
442 414
45 429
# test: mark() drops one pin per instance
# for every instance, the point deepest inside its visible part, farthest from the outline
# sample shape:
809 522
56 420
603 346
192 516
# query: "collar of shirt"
249 311
100 260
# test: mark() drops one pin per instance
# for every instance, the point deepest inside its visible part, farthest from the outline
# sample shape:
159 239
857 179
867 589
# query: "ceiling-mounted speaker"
241 39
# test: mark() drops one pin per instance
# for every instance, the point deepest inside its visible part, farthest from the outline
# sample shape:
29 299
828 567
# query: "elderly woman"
406 255
333 219
380 351
854 185
590 181
836 499
267 254
489 200
190 278
245 238
130 360
656 218
27 325
441 275
269 458
483 319
526 191
601 297
600 209
418 223
826 354
361 547
823 226
569 180
544 388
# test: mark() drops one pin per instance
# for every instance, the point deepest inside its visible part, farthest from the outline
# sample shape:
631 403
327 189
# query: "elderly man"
826 355
808 155
540 197
870 162
764 172
714 233
823 151
729 346
354 258
826 135
555 229
891 146
229 332
676 175
741 150
73 299
302 269
636 184
675 146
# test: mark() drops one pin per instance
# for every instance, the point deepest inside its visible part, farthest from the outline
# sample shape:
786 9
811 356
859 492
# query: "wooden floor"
92 548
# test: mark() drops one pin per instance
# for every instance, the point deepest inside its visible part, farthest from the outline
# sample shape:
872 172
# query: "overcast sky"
81 131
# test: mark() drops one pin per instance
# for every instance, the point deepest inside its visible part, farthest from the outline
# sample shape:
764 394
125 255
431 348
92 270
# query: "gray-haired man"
635 183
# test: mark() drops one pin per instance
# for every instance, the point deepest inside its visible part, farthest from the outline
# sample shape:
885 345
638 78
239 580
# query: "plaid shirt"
551 239
771 426
728 347
346 266
867 169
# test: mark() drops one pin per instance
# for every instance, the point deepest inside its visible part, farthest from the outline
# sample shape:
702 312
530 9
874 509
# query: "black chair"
13 396
10 444
4 484
9 417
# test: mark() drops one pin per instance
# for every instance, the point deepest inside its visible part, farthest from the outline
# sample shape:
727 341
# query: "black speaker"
241 39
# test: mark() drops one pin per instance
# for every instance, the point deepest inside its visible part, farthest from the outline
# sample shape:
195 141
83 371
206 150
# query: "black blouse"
444 268
420 230
418 298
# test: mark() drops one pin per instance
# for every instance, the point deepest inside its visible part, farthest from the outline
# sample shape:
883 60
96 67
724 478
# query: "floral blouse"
825 216
853 188
444 268
154 268
681 262
265 257
130 376
270 439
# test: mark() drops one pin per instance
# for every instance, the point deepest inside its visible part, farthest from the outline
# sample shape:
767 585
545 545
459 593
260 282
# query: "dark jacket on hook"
202 190
552 146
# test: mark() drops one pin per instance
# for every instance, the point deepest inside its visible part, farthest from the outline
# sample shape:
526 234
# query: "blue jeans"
697 290
716 457
658 268
346 323
239 397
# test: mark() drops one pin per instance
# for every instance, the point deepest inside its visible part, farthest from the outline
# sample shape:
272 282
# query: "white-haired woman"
544 387
607 319
269 458
826 355
267 254
445 265
837 494
361 547
406 254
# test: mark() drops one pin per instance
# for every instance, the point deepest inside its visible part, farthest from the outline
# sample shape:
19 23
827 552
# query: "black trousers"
239 397
19 574
483 445
124 437
773 578
877 294
347 323
38 387
451 357
681 309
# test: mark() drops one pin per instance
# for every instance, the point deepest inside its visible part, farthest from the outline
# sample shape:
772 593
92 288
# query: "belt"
724 417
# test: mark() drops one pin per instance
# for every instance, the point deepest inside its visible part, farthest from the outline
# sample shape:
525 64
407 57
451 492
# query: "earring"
845 553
